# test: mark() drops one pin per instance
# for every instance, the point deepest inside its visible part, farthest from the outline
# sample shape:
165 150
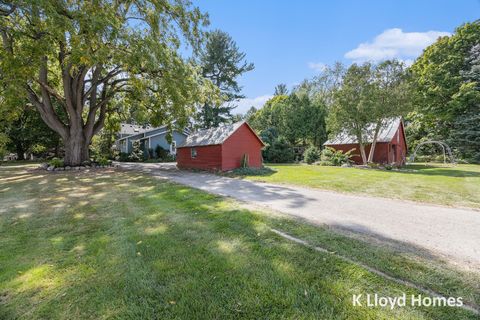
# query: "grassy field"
453 186
123 245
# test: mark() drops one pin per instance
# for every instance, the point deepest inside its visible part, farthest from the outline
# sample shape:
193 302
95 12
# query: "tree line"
70 72
438 97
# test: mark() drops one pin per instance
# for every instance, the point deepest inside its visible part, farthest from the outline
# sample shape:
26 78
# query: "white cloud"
244 104
317 66
394 43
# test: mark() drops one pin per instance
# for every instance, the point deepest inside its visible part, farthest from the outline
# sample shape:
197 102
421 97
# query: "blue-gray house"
149 138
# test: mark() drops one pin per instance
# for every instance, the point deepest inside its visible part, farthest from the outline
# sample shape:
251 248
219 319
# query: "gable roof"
148 129
126 128
386 134
214 136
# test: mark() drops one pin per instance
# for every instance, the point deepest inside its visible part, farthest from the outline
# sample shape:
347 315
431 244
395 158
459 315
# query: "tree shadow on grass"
150 249
430 170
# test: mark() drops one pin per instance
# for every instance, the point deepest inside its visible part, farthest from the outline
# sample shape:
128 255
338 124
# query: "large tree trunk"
362 153
374 142
76 147
20 151
361 146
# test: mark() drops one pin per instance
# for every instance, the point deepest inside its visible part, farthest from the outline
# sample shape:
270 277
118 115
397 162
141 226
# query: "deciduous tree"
447 91
83 54
352 108
391 97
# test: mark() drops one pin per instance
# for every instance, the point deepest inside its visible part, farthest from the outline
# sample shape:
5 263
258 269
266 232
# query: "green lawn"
116 244
453 186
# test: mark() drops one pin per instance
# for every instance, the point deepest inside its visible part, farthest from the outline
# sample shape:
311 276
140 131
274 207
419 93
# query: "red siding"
208 158
224 157
384 151
243 141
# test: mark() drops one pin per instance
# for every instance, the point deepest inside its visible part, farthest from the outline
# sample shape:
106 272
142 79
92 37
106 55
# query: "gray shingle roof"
211 136
385 135
126 128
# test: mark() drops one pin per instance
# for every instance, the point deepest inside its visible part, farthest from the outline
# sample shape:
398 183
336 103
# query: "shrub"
279 151
123 156
161 153
373 165
137 152
103 161
55 162
324 163
336 157
263 171
150 153
311 155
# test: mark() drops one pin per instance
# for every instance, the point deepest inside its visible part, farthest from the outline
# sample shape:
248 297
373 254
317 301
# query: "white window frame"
193 153
173 147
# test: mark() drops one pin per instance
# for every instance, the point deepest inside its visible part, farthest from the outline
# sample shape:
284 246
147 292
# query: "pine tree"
222 62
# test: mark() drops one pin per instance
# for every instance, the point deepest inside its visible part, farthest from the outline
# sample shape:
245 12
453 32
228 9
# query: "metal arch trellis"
445 148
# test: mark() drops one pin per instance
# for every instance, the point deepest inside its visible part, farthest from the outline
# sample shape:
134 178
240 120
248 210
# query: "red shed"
391 144
221 148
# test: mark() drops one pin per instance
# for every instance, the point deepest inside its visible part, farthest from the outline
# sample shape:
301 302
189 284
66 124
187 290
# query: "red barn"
221 148
391 144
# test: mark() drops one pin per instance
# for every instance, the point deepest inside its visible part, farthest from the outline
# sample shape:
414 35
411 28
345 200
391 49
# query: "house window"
193 153
173 147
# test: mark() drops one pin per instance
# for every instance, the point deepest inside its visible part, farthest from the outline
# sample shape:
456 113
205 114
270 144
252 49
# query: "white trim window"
123 145
193 153
173 147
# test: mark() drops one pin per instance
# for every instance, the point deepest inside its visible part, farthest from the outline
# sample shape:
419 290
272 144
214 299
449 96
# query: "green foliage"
103 144
150 153
333 157
55 51
123 157
311 155
269 117
300 119
373 165
103 161
163 155
249 171
160 153
3 143
27 133
370 94
221 62
303 120
56 162
280 151
446 83
281 90
465 135
137 152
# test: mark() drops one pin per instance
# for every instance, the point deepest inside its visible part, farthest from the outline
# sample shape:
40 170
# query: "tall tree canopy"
85 54
391 96
222 62
448 96
281 90
353 104
368 96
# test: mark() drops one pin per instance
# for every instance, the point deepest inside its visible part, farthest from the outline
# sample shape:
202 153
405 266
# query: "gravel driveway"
437 231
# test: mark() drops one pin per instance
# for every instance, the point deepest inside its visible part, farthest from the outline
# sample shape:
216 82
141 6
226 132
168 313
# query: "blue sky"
289 41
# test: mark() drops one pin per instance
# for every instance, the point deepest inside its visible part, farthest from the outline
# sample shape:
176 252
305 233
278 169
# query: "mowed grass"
446 185
122 245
